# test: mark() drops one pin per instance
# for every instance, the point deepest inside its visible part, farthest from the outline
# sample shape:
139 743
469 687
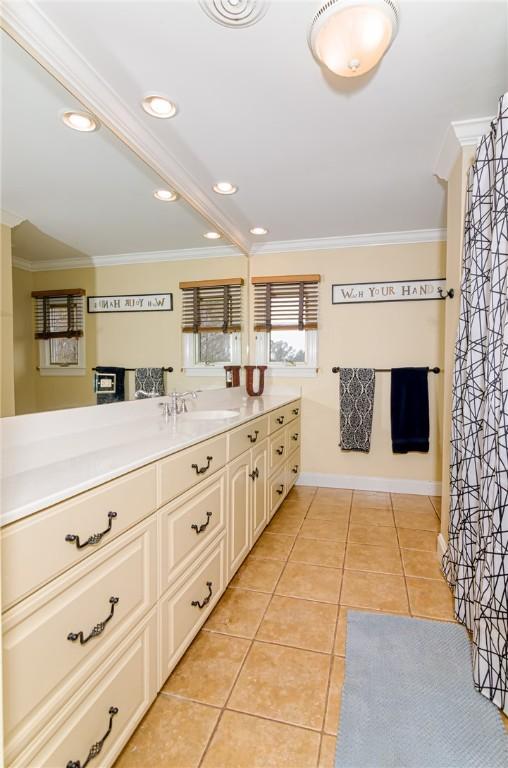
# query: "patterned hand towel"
356 408
148 382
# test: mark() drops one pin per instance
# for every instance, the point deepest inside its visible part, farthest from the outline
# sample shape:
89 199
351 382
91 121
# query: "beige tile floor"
260 686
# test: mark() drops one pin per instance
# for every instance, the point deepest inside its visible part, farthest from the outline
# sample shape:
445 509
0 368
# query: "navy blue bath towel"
410 410
115 378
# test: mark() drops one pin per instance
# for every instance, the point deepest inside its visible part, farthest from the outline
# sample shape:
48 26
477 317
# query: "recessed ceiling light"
211 235
259 231
225 188
80 121
158 106
166 195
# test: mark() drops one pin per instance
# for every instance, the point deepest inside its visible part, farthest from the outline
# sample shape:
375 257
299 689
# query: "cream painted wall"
24 350
457 186
6 325
130 339
380 335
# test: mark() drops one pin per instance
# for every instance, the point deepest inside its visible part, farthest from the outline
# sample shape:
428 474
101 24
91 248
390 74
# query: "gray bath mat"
409 699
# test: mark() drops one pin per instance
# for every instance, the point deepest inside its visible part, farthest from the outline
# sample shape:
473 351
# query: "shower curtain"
476 561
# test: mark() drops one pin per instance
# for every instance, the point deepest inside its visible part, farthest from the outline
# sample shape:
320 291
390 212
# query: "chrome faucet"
177 403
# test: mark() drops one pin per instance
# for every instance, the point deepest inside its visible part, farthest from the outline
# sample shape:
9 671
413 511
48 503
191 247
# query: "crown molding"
351 241
23 264
10 219
219 252
120 259
24 21
460 134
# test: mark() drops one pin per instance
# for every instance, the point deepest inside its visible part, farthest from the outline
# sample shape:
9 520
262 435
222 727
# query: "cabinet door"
239 527
259 489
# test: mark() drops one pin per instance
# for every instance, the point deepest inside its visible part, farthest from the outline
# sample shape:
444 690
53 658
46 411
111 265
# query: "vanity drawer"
127 681
44 658
279 418
243 438
180 472
188 525
293 468
35 550
277 490
293 435
186 606
278 449
293 410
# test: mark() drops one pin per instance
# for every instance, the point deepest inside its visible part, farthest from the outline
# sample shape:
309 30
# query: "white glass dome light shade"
351 36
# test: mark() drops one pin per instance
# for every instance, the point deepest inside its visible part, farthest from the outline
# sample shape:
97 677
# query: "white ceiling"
314 155
87 191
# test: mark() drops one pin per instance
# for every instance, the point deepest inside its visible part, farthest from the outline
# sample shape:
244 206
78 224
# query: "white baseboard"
441 546
359 483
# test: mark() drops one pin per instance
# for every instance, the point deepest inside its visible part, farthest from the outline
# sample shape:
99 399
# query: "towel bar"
336 369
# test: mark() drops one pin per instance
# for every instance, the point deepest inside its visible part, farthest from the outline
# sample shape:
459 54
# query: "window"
211 325
285 323
59 328
287 347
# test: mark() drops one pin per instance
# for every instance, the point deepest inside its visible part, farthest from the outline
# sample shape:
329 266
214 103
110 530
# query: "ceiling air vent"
235 13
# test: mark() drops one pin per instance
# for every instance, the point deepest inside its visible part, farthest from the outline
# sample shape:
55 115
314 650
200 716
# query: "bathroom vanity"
121 530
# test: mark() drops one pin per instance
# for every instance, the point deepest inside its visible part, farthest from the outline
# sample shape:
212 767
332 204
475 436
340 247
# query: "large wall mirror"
80 220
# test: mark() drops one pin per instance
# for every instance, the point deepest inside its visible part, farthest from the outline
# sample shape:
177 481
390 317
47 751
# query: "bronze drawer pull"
295 436
206 600
254 474
296 411
95 537
280 420
295 469
98 629
253 439
280 450
202 470
95 748
280 490
201 528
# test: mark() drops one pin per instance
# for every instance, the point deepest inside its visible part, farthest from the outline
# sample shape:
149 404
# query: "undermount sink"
209 415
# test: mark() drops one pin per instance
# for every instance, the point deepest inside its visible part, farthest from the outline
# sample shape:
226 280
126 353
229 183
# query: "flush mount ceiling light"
212 235
158 106
351 36
258 231
225 188
80 121
166 195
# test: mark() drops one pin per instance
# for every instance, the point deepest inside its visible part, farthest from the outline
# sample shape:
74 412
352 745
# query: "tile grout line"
401 561
334 639
240 668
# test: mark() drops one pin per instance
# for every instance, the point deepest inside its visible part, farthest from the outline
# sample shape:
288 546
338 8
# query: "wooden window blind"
286 302
212 305
59 313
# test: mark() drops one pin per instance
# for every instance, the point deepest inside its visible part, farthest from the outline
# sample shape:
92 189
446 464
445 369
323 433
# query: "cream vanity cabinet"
247 481
103 593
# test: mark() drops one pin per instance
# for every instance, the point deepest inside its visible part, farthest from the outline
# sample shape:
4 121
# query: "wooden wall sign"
143 302
394 290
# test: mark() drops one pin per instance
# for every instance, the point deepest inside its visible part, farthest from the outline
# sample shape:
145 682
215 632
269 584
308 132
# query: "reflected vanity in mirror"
110 269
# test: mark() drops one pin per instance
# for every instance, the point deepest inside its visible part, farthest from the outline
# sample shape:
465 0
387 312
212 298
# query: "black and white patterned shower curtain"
476 561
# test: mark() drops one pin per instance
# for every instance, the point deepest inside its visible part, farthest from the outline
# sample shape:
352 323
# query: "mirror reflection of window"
211 324
63 351
215 348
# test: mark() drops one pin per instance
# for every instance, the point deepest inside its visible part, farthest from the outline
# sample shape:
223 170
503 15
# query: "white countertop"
49 457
